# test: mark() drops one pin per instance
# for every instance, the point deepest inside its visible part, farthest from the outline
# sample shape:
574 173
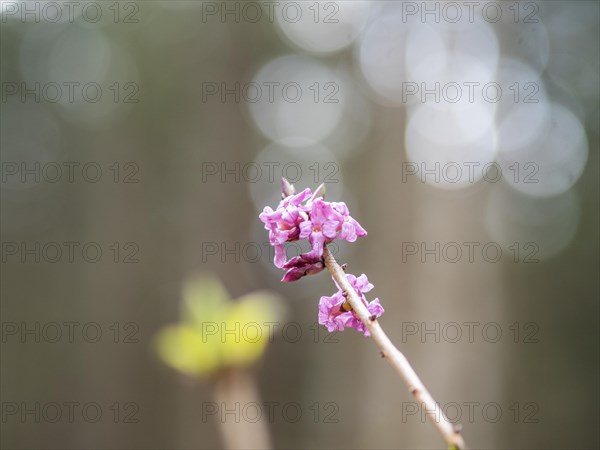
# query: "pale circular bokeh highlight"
381 57
552 162
324 27
295 98
89 80
455 146
522 112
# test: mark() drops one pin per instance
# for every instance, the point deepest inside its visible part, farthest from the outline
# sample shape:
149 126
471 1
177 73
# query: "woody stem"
397 360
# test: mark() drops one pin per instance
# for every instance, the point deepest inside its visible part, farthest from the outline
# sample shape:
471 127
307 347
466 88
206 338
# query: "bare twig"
449 431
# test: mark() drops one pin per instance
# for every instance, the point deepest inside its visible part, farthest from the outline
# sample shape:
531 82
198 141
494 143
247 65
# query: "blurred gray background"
164 182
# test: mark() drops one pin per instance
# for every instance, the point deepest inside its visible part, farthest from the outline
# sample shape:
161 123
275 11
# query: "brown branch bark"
450 432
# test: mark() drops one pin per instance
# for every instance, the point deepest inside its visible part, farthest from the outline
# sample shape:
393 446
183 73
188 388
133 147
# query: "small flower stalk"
308 216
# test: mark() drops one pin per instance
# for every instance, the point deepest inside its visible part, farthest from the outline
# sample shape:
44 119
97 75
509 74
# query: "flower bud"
319 192
287 188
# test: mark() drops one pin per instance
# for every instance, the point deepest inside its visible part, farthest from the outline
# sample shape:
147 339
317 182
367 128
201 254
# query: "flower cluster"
308 216
335 313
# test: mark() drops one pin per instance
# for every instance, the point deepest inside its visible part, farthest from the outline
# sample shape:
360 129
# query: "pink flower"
334 313
350 228
284 223
322 227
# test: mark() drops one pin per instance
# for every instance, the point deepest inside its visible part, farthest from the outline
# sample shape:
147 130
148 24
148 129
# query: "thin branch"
450 432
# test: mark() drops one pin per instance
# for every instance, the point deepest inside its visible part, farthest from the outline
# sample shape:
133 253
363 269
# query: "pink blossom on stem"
307 216
284 223
322 227
350 228
335 313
